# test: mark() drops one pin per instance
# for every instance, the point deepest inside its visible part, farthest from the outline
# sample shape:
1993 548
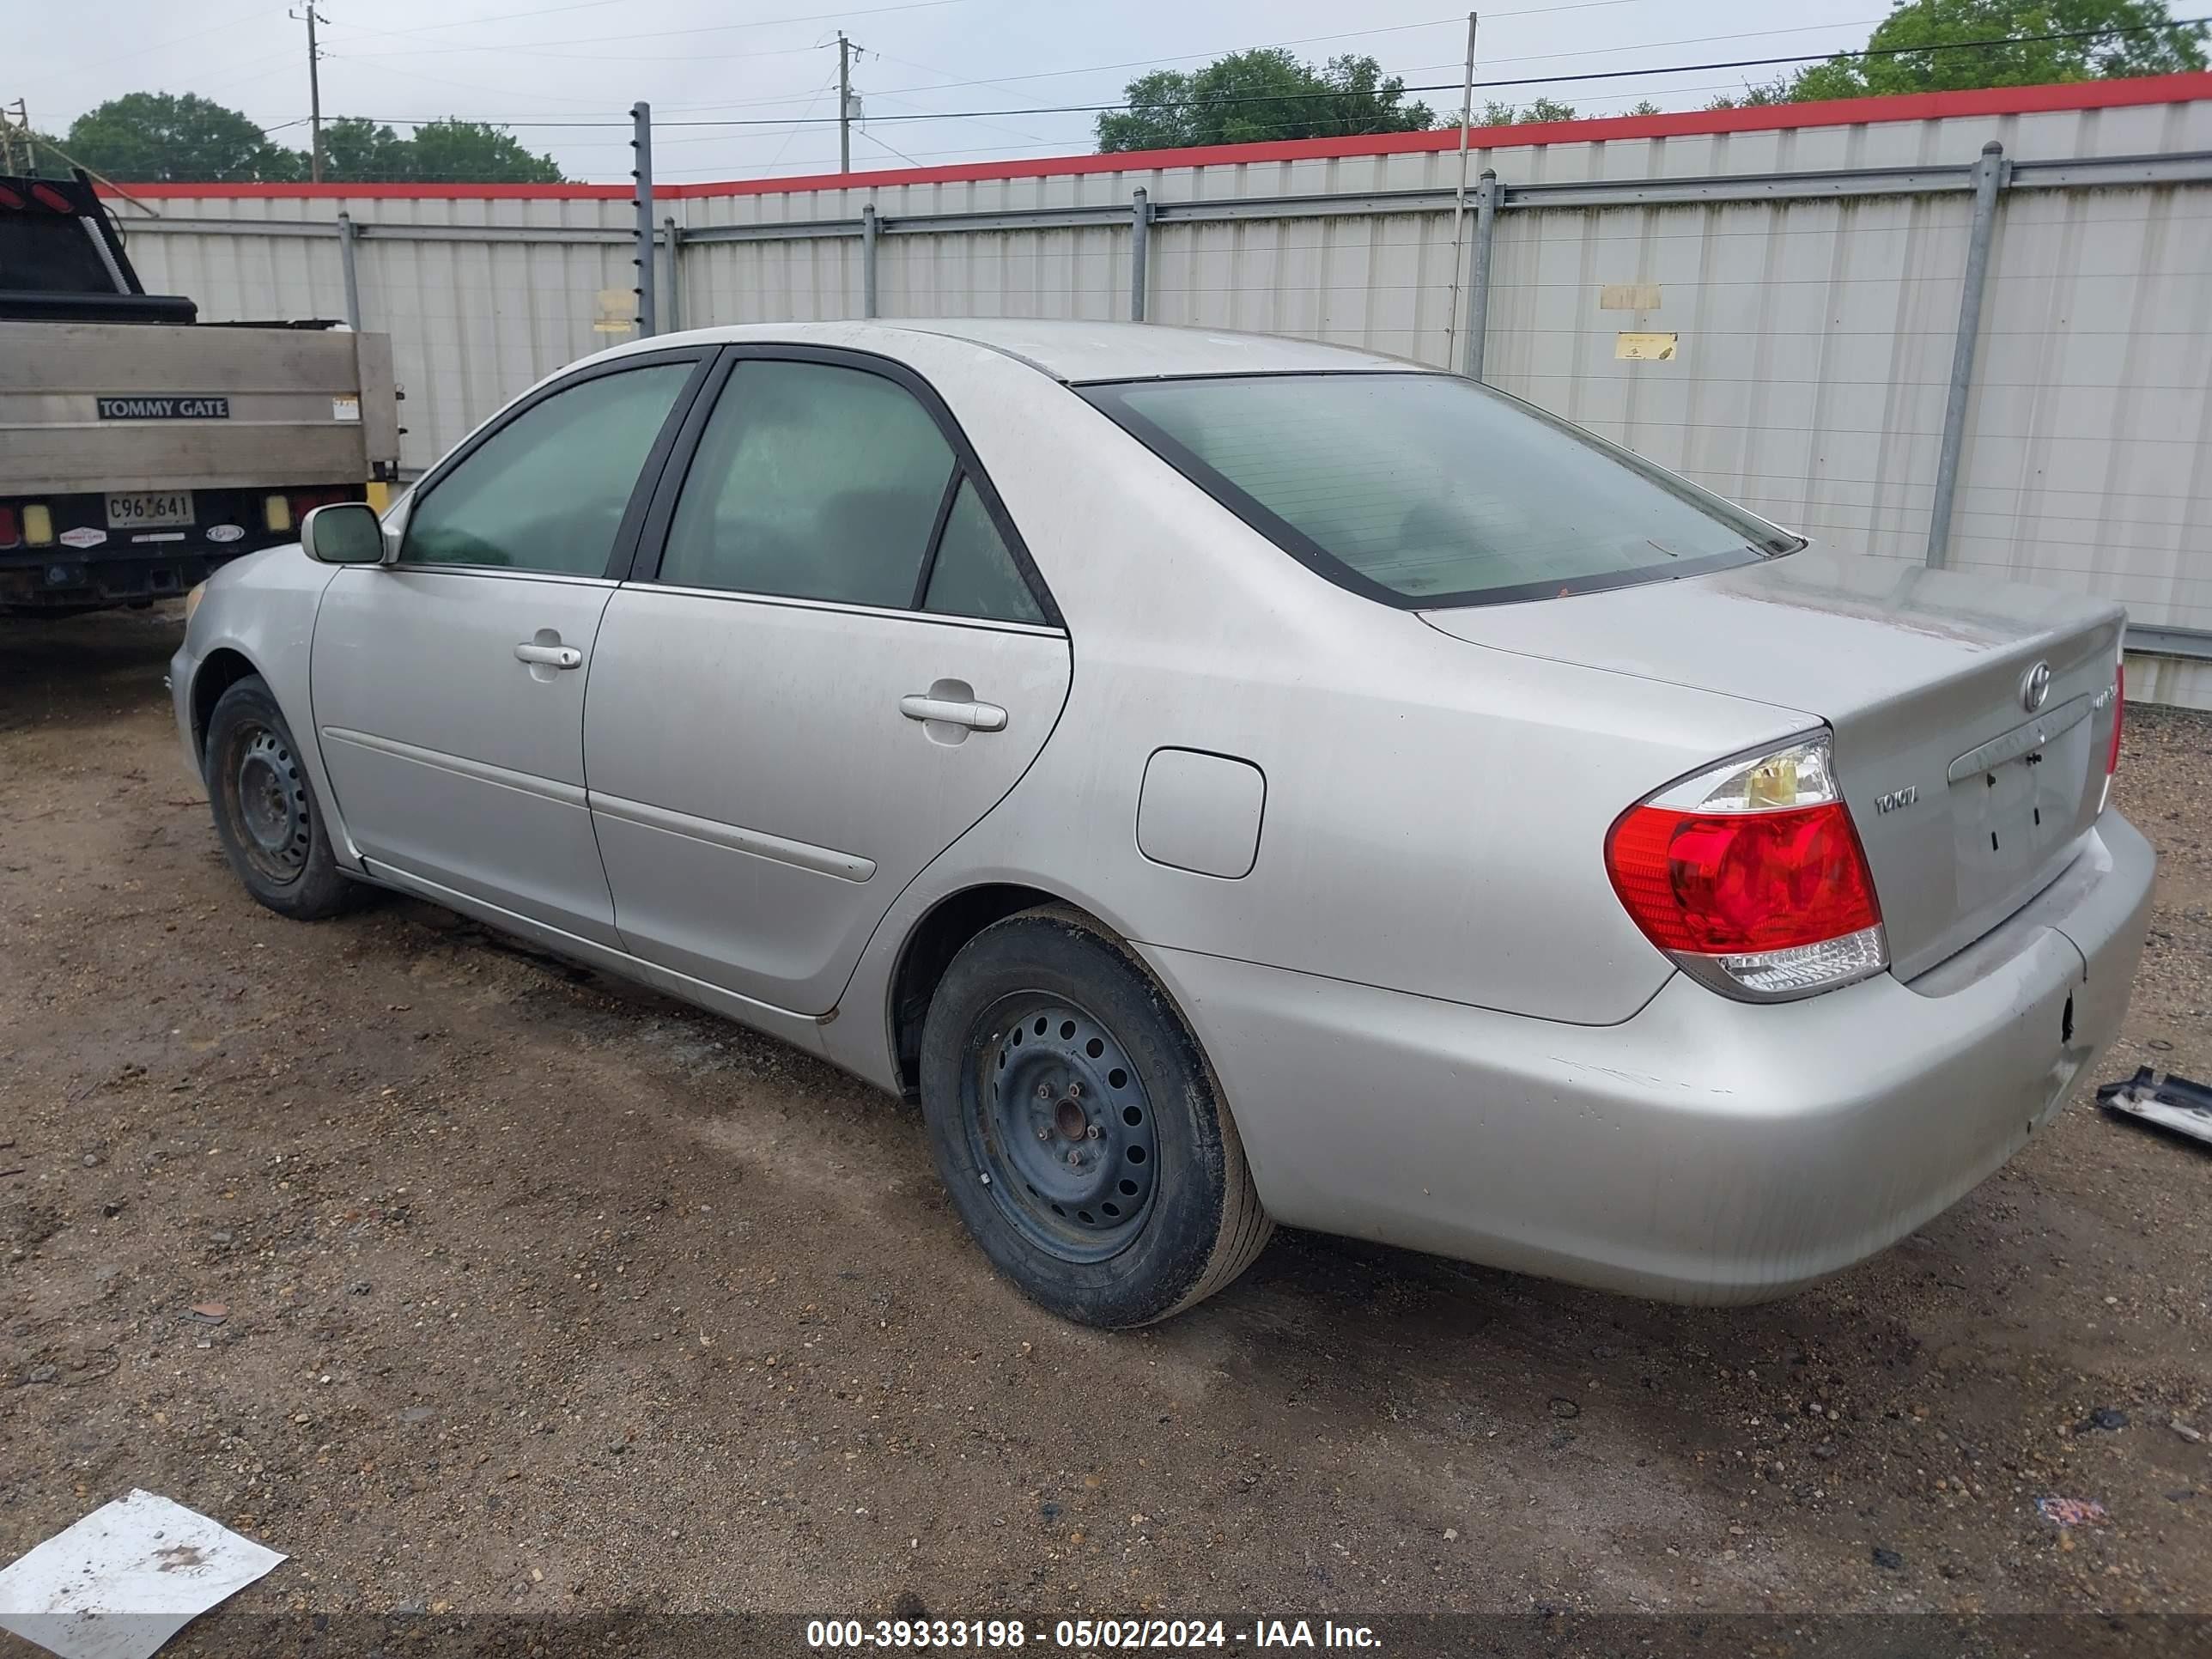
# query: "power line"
177 41
1479 86
1005 81
911 5
901 154
463 86
791 133
1531 58
653 34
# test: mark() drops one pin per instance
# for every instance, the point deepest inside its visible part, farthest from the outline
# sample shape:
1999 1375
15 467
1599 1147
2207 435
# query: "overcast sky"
774 62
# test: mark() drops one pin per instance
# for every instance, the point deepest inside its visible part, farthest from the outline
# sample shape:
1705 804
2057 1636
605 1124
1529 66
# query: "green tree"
1505 115
2120 37
155 138
1249 96
454 151
356 150
1755 97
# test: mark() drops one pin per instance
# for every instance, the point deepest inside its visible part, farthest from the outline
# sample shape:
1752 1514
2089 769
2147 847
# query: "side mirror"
343 532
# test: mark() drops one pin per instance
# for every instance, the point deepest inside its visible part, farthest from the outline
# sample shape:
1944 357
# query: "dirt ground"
526 1291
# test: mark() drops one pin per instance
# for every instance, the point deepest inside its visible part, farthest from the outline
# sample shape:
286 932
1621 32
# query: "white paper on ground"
126 1578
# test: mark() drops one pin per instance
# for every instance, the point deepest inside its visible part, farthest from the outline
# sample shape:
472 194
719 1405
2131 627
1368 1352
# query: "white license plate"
145 511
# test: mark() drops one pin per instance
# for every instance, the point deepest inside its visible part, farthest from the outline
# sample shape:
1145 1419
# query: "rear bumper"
63 579
1704 1150
127 567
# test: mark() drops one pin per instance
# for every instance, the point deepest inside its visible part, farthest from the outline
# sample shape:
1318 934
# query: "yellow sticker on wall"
617 312
1644 348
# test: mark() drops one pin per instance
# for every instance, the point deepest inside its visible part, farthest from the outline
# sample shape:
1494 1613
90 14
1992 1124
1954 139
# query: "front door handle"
975 716
549 656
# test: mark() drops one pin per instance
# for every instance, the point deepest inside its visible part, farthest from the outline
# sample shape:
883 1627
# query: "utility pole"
10 124
314 94
844 103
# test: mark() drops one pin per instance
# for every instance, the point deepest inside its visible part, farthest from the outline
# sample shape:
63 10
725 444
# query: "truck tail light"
38 524
276 512
10 535
1752 877
305 502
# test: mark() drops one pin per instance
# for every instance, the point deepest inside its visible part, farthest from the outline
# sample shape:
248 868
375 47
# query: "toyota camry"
1224 781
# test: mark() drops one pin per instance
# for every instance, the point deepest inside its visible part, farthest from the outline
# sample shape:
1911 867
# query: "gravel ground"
518 1290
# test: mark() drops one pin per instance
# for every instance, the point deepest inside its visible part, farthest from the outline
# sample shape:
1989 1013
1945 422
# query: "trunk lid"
1968 799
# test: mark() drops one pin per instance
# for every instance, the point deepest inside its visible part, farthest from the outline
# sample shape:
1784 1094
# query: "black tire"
1079 1129
265 812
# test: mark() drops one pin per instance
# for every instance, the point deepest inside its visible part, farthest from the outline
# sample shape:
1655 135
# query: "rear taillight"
10 535
1751 876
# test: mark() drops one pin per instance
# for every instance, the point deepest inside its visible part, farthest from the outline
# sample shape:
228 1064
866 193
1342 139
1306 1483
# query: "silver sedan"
1226 781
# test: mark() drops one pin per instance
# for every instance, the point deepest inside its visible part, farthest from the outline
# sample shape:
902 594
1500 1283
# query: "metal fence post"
1486 193
868 260
675 236
1141 228
1990 176
641 115
347 234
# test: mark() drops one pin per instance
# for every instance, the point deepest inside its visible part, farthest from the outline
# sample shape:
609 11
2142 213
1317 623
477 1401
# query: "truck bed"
109 406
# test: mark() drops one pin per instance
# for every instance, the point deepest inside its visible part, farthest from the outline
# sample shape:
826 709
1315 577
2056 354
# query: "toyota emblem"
2034 687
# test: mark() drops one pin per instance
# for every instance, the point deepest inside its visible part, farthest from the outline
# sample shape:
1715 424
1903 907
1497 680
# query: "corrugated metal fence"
1775 311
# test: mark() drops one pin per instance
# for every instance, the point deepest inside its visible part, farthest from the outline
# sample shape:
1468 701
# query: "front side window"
814 482
548 491
1429 490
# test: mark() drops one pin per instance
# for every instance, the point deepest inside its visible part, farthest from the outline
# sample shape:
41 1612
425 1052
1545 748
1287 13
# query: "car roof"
1079 351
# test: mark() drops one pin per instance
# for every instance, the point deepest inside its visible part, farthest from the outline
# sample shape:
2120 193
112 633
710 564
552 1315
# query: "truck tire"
265 812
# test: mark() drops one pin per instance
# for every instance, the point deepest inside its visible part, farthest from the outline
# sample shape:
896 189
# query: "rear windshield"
1431 490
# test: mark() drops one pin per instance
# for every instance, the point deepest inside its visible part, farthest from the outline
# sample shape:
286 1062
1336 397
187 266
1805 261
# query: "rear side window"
1428 490
810 482
548 491
974 576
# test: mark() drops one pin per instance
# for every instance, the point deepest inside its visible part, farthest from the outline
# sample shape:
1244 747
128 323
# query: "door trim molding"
842 608
804 855
552 789
802 1030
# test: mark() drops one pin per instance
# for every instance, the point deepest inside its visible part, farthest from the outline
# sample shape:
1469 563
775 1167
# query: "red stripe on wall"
1905 107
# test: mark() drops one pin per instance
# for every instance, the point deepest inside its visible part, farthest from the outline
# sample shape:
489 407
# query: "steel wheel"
268 799
265 812
1046 1041
1059 1124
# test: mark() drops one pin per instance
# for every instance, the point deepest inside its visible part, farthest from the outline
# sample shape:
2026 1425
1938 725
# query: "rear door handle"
551 656
975 716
